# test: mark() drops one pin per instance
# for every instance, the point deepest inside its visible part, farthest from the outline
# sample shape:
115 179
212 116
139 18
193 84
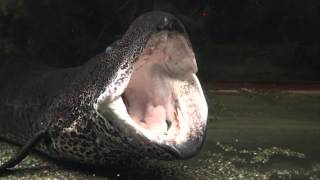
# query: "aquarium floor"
251 135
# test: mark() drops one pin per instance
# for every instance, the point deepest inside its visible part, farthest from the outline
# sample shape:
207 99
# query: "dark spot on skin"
149 150
76 153
75 149
64 136
62 142
47 141
70 143
65 147
82 137
100 145
84 144
93 136
81 156
96 157
75 142
158 153
100 129
88 153
86 131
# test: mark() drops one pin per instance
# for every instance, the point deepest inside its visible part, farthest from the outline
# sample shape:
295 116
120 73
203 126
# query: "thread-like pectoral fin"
23 152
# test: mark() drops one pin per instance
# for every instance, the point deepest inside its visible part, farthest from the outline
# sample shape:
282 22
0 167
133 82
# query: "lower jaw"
175 140
164 136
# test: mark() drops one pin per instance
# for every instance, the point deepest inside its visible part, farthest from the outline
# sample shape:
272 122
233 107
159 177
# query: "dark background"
246 40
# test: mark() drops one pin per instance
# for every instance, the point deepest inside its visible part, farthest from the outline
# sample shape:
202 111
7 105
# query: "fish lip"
190 148
171 150
187 149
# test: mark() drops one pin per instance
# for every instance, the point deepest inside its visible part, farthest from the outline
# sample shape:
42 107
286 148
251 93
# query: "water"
251 135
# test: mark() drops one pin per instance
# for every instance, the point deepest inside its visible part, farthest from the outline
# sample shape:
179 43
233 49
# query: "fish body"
139 97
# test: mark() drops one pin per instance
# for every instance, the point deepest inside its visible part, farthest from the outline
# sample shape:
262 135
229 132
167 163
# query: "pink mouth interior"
150 95
150 99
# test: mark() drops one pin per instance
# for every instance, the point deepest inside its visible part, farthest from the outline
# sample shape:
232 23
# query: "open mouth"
163 99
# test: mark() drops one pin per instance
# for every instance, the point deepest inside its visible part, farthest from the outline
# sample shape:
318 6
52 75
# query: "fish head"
154 95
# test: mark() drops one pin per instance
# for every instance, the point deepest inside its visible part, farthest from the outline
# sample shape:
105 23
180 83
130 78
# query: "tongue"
155 118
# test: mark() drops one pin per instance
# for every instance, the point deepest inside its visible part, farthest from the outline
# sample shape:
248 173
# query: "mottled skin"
34 98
